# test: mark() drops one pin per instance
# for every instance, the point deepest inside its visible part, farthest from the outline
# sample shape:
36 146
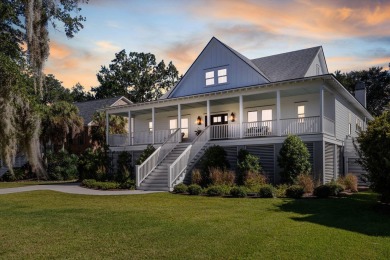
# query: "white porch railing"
160 136
260 128
178 166
181 163
143 170
329 126
118 139
144 137
302 125
228 131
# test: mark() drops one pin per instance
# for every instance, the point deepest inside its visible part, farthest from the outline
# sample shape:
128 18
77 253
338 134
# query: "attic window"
222 76
209 78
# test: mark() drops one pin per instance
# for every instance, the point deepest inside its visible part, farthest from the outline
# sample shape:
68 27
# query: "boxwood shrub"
180 188
295 191
194 189
267 191
238 192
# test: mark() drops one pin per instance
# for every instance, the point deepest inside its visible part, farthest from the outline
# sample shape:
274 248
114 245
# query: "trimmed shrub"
180 188
194 189
267 191
293 159
221 177
253 181
322 191
281 190
306 182
350 182
214 190
145 154
196 177
93 184
295 192
127 185
329 189
238 192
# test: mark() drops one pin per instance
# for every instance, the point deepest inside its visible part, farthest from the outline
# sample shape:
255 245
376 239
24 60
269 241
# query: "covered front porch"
296 110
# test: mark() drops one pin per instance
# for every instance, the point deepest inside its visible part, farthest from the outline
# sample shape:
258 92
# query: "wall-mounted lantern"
198 120
232 117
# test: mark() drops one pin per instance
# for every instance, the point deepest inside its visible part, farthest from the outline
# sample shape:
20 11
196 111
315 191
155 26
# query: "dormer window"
216 76
222 76
209 78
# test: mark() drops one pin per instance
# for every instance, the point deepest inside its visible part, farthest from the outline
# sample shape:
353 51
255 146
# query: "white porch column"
129 116
107 128
241 116
208 113
179 116
153 127
322 109
278 124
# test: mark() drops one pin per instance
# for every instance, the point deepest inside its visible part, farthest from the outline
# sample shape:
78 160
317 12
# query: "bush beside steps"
105 185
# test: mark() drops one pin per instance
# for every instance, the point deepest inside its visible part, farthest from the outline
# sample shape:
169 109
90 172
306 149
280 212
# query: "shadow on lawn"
358 213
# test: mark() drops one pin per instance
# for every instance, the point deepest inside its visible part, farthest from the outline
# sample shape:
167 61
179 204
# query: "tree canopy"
137 76
78 93
21 73
377 82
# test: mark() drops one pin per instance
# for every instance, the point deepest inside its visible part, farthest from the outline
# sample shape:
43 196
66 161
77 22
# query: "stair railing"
143 170
180 164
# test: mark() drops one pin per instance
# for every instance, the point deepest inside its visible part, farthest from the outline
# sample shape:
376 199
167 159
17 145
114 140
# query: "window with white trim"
359 125
150 126
301 113
209 78
173 125
222 76
252 116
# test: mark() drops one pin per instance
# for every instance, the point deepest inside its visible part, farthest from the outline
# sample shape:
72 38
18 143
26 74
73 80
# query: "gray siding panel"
310 147
342 120
267 159
329 162
231 156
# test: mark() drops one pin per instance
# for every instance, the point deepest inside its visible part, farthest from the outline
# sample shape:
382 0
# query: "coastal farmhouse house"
229 100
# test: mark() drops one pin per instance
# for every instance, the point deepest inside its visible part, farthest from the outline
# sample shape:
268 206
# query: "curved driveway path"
73 188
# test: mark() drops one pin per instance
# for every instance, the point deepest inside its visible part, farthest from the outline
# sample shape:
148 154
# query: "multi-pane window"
184 127
301 113
216 76
359 124
209 78
222 76
150 126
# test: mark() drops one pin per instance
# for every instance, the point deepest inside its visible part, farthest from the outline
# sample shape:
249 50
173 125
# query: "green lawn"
45 224
15 184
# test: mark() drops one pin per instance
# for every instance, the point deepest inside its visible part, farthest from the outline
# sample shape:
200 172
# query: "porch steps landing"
157 180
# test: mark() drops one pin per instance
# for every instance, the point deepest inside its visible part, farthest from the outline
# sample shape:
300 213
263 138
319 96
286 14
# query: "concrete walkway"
73 188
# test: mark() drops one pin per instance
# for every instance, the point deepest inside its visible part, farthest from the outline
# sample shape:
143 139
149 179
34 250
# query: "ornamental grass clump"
306 182
220 176
350 182
253 181
196 177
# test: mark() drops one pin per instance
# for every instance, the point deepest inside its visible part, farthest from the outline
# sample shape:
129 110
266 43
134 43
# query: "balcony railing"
295 126
304 125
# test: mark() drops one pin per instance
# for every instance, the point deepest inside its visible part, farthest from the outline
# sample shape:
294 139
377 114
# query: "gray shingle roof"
88 108
290 65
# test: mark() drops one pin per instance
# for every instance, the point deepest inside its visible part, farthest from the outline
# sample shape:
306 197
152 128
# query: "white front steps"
157 180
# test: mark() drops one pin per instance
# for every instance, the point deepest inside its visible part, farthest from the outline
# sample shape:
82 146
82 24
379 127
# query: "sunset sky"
354 34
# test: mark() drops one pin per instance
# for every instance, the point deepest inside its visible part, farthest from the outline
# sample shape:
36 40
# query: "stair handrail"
199 142
143 170
178 166
181 163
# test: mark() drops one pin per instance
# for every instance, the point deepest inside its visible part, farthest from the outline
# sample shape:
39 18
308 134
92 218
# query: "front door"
219 128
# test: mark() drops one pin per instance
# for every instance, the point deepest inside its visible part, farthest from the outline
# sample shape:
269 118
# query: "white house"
237 103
